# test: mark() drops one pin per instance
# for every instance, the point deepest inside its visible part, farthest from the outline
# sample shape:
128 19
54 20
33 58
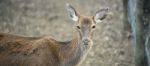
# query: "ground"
50 17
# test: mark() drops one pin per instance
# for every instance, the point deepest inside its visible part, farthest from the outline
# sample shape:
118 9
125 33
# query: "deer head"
86 24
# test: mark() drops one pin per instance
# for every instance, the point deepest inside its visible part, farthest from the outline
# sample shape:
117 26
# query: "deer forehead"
86 20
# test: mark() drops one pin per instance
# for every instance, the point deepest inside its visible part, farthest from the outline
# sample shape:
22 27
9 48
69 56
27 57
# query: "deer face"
86 24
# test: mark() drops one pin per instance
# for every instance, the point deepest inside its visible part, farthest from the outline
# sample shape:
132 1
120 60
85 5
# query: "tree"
135 14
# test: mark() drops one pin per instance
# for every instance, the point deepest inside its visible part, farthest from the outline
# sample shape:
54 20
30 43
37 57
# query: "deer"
18 50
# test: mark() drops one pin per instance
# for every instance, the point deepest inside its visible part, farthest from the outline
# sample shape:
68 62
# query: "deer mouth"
86 42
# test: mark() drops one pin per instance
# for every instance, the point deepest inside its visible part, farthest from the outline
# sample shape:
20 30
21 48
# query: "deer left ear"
100 15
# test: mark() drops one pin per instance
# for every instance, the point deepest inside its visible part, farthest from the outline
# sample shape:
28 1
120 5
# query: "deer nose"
86 41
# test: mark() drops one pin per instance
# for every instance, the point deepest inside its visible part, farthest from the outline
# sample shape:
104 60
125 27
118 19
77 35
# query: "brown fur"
29 51
40 51
85 20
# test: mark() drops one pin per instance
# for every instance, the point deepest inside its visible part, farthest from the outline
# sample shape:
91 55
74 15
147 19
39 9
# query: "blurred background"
50 17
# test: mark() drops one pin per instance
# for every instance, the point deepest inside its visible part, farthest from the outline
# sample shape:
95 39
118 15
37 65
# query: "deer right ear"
72 13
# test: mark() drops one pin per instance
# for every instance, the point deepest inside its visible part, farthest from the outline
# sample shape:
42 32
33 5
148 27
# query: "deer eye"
78 27
93 26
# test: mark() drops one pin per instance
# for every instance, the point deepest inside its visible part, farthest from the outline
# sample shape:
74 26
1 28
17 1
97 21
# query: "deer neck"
79 51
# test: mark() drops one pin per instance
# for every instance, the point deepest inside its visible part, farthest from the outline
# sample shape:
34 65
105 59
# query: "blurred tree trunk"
135 17
147 24
147 45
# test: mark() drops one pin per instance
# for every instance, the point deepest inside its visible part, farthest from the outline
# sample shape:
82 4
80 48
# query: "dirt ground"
50 17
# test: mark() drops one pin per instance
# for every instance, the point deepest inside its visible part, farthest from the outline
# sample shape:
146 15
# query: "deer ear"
100 15
72 13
